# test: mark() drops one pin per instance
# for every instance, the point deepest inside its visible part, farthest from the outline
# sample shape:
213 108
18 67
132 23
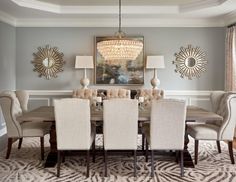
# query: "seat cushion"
35 129
203 131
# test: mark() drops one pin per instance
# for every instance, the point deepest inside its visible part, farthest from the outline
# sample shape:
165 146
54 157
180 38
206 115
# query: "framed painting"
119 72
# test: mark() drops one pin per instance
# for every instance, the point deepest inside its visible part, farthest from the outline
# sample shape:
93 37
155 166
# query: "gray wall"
158 41
7 61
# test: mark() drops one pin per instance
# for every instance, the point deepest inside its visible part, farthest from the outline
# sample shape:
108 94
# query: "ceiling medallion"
190 62
48 61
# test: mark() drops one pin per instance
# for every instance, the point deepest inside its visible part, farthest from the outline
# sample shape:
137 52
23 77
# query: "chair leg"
177 156
218 146
146 153
196 151
20 143
143 140
230 147
63 156
94 151
42 147
105 159
58 163
152 163
9 147
135 160
88 156
181 163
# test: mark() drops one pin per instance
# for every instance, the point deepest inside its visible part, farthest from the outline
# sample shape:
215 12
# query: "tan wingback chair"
167 128
118 93
120 127
151 94
224 104
13 104
73 127
86 94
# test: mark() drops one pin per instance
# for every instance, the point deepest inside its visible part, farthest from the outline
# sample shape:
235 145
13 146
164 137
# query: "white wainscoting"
46 97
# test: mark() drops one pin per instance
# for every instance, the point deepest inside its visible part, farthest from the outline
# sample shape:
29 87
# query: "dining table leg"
188 161
52 156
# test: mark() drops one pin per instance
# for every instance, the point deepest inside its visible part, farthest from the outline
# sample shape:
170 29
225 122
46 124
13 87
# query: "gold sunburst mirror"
190 62
48 61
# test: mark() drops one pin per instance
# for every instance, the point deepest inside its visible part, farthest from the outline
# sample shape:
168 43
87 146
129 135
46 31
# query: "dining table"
46 114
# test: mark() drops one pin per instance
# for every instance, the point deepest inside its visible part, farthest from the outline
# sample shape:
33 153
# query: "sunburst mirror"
190 62
48 61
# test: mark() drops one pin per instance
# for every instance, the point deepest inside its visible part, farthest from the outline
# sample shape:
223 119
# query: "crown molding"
128 22
39 5
6 18
230 18
200 5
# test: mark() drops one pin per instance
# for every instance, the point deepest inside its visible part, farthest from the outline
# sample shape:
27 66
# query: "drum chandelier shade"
120 47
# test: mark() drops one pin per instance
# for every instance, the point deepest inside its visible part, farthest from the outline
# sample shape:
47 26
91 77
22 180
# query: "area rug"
25 165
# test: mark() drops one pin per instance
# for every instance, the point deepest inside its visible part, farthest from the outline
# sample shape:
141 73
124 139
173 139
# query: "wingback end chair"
224 104
13 104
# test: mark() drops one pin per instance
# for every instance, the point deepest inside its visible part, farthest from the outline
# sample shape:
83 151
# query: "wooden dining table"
46 114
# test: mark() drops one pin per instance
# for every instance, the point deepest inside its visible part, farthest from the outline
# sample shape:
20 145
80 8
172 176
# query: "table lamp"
154 62
84 62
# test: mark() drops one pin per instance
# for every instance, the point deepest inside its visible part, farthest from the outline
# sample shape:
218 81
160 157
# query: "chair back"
226 109
85 94
73 126
23 97
120 125
11 109
118 93
151 94
167 125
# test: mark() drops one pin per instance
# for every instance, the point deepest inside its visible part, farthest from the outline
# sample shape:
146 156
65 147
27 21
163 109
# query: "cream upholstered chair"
150 94
85 94
167 128
120 126
73 127
12 105
223 104
118 93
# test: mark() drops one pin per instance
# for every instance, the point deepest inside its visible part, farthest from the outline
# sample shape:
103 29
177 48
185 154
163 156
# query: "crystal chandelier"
120 47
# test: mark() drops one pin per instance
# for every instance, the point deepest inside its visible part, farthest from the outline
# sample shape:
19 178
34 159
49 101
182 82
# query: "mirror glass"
190 62
48 62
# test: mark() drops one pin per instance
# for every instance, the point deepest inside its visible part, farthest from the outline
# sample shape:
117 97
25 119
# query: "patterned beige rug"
25 165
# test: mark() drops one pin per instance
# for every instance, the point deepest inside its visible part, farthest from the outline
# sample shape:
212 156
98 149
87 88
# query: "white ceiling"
104 13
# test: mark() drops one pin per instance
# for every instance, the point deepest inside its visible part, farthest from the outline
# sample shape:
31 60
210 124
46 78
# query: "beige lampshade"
84 62
155 62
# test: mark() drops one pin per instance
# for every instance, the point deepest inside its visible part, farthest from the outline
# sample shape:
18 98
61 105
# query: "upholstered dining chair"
85 94
73 127
118 93
120 126
149 95
224 104
167 128
13 104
